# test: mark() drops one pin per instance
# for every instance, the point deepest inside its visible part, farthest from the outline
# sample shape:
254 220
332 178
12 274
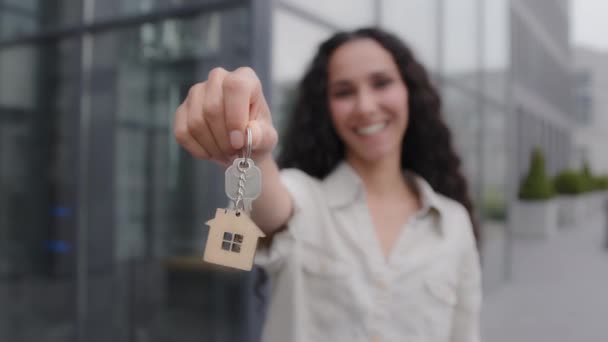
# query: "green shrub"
493 204
569 182
602 183
536 185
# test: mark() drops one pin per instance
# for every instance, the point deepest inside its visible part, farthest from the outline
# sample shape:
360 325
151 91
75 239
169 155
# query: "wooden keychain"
233 236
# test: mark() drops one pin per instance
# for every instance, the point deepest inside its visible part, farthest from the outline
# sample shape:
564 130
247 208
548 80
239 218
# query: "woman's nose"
366 102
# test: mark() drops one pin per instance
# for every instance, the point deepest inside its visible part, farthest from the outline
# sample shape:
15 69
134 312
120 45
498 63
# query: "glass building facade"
102 213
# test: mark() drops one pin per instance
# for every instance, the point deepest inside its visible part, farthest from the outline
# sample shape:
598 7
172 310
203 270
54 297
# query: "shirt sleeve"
301 189
466 323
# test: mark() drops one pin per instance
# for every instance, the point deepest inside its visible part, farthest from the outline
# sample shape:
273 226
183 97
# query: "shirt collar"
343 186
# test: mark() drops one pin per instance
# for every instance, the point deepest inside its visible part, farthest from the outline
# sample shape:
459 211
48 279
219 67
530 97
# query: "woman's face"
368 100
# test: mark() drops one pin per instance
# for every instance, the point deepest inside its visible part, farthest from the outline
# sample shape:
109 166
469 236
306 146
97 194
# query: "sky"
589 23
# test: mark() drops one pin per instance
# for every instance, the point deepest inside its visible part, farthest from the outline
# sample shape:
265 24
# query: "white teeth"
371 129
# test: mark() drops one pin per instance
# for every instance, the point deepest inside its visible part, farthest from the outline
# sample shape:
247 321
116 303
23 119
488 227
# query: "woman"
369 221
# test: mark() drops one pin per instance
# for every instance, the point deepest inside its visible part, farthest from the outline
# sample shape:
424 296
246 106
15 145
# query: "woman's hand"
212 121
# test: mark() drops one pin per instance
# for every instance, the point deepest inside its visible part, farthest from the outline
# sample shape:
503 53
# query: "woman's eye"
382 83
341 93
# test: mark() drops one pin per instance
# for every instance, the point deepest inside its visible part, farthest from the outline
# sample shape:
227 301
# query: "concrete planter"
600 203
599 198
533 219
571 210
593 202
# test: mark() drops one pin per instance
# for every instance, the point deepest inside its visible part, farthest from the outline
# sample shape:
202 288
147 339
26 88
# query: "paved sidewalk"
559 290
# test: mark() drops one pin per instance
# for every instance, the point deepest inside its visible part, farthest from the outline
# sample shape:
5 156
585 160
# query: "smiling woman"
368 101
369 215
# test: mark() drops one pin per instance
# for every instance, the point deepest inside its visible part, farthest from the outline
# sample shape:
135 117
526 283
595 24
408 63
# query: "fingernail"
236 139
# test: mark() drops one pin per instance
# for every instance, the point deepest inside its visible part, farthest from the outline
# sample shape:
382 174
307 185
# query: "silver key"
243 169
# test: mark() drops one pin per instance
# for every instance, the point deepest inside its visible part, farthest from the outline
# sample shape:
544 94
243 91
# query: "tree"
536 185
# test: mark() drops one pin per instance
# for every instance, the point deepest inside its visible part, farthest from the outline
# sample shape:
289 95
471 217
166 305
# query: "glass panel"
21 4
38 148
19 18
460 109
493 203
161 196
416 22
360 12
148 199
459 60
118 8
495 48
540 70
157 64
15 23
58 13
495 166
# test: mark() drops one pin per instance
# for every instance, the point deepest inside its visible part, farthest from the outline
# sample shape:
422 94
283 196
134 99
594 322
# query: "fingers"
197 123
211 121
213 110
183 136
242 91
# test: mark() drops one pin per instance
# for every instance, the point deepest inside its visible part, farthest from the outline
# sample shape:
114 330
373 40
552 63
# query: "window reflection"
160 194
15 23
37 200
157 64
117 8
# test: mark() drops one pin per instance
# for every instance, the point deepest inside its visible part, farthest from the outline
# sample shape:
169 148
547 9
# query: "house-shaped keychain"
232 240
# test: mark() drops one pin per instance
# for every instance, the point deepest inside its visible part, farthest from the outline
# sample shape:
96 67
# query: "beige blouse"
331 281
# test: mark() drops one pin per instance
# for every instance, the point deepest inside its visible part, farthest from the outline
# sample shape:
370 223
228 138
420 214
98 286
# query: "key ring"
247 151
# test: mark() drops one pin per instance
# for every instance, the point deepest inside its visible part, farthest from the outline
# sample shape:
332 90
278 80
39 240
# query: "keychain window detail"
232 242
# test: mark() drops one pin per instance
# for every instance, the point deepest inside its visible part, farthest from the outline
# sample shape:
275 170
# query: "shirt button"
374 338
381 284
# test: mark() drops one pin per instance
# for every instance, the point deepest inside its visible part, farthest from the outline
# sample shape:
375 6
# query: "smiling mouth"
371 129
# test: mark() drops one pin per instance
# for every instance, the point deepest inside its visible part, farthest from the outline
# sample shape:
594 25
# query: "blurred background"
102 214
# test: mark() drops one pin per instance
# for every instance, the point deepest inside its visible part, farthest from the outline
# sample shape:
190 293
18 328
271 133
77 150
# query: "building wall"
542 85
591 108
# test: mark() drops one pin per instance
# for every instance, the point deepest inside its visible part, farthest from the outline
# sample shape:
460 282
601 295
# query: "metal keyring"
246 152
249 143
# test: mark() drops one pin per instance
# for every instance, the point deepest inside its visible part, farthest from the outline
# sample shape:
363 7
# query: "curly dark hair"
310 142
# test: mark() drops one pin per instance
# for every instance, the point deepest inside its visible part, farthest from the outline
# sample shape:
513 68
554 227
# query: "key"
246 170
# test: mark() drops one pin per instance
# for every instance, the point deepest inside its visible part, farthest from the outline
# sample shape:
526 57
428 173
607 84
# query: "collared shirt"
330 279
